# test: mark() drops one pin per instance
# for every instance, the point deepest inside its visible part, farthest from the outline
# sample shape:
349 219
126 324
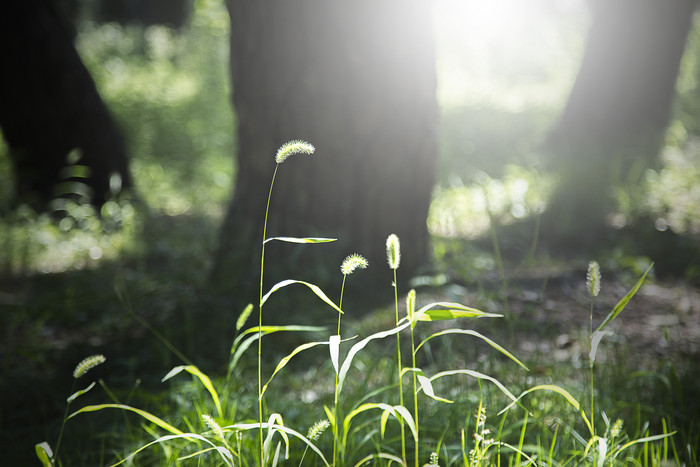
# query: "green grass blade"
625 300
187 436
425 384
288 431
361 345
334 344
80 393
449 313
381 455
645 440
193 370
314 288
476 374
301 240
238 348
148 416
286 360
469 332
44 453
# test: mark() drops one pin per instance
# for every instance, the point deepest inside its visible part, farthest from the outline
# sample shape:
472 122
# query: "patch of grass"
473 414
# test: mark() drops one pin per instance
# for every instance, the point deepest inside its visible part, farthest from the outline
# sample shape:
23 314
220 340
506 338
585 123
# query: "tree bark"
50 107
357 80
618 109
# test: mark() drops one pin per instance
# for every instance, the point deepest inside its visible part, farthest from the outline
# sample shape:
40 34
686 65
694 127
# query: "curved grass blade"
238 348
425 384
301 239
314 288
187 436
334 347
288 431
625 300
361 345
476 374
286 360
80 393
380 455
478 335
44 453
148 416
554 388
193 370
647 439
449 310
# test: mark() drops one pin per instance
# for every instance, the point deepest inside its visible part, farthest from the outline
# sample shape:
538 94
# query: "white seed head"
593 278
317 429
293 147
393 251
88 364
411 303
213 426
352 262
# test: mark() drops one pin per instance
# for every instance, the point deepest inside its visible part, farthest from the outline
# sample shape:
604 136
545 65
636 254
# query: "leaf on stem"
625 300
314 288
301 239
193 370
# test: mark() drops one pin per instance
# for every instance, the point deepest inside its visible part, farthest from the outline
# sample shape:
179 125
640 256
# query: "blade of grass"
193 370
624 301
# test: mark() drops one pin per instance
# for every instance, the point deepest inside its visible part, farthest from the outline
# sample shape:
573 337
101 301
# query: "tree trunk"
50 109
357 80
618 109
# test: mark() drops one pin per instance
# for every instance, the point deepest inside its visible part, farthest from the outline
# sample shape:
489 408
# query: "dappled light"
514 257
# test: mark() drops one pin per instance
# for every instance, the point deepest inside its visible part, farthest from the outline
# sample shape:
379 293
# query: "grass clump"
380 422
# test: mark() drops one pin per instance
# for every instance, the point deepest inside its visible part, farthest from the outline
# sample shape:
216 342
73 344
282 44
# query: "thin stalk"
63 425
262 269
590 371
335 397
415 393
398 360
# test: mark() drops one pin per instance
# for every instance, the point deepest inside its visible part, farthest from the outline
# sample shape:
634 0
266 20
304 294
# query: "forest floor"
549 319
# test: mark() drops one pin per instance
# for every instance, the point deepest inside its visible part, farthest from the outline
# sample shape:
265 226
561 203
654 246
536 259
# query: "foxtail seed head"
87 364
593 278
213 426
393 251
411 303
293 147
317 429
352 262
243 317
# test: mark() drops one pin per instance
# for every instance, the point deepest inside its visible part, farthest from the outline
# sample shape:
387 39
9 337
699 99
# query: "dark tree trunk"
618 109
50 107
357 80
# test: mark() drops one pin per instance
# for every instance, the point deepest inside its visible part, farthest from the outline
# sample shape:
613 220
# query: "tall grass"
364 427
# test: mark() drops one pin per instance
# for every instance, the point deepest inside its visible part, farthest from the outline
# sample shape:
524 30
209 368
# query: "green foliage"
360 417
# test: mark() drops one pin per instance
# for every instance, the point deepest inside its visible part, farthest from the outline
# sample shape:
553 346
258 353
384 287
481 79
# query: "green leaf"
647 439
551 387
238 348
148 416
478 335
595 341
80 393
286 360
475 374
625 300
314 288
193 370
443 314
345 367
334 344
44 453
188 436
301 240
281 428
